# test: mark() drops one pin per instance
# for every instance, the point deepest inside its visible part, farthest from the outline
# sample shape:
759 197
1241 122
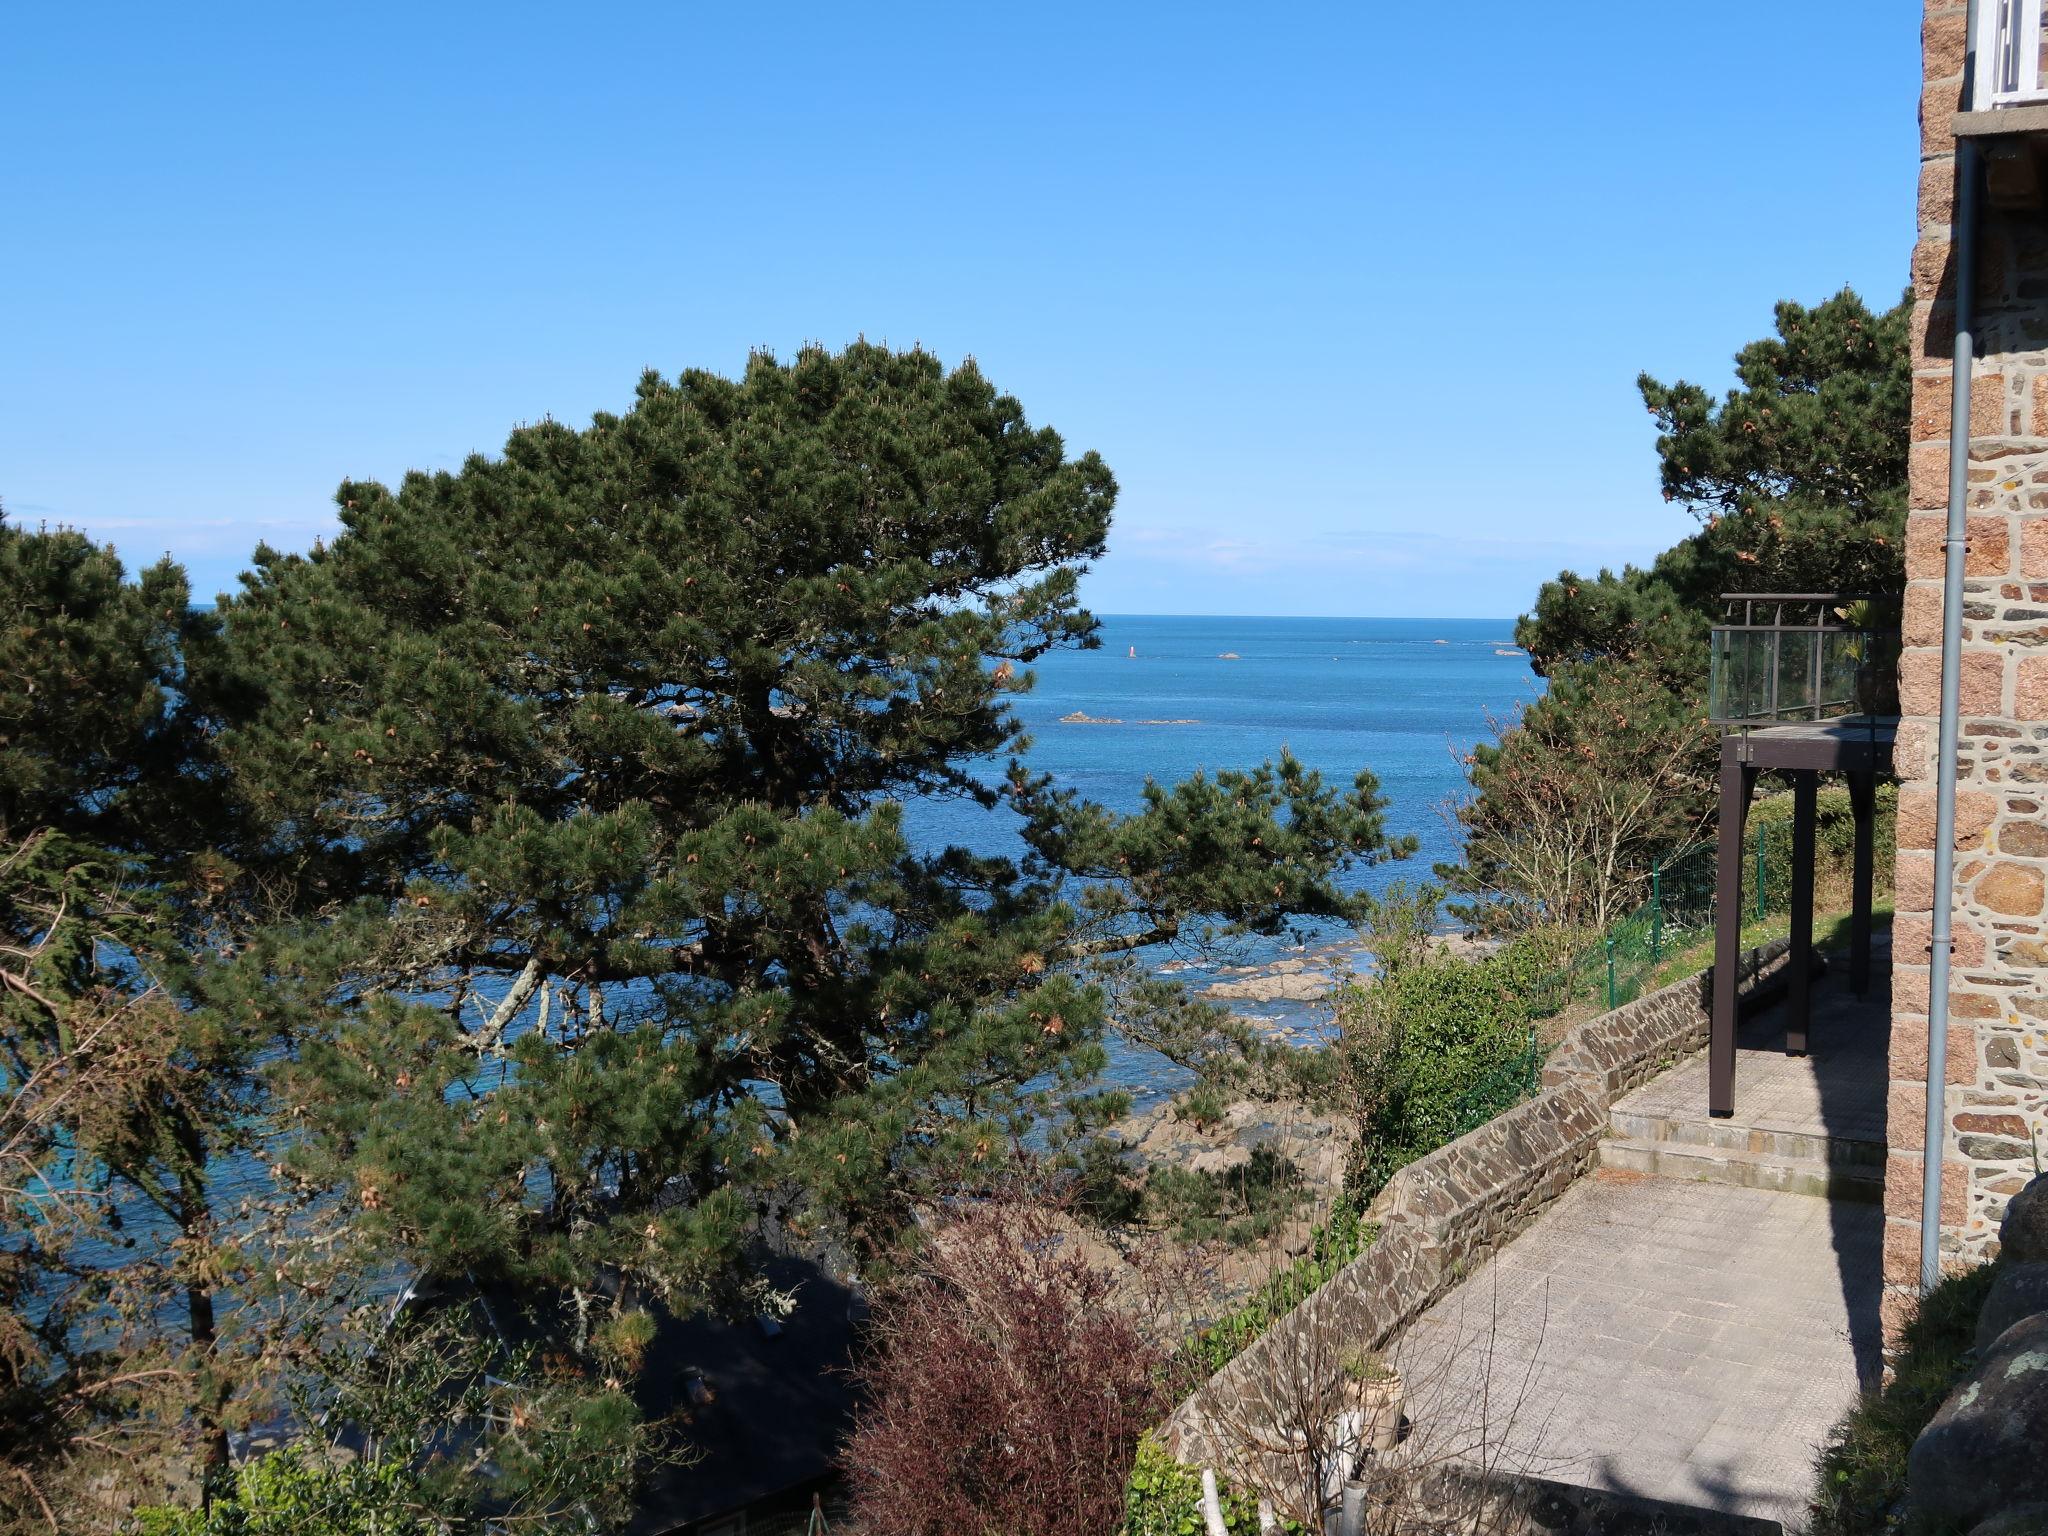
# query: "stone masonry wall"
1997 1088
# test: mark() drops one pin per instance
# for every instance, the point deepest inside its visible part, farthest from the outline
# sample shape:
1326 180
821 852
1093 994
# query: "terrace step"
1730 1136
1670 1158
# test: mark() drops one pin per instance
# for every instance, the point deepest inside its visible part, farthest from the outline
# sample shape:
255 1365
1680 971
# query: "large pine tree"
591 759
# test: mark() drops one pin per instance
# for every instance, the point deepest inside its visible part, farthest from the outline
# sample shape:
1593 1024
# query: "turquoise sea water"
1406 698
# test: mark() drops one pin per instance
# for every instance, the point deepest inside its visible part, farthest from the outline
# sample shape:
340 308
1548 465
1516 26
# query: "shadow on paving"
1839 1090
1681 1341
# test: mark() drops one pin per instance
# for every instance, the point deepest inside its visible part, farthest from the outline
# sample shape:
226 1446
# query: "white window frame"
2008 49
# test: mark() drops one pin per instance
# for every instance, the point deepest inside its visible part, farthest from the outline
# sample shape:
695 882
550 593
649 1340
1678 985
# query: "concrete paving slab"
1712 1382
1835 1092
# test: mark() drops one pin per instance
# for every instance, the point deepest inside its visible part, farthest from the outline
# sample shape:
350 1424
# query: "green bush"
1165 1498
1238 1206
1834 843
1204 1105
1434 1049
288 1494
1860 1487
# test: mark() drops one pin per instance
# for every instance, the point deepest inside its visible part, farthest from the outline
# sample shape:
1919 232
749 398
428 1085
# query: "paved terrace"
1682 1338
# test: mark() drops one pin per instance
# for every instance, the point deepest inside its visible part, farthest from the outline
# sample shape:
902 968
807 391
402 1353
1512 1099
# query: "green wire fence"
1615 965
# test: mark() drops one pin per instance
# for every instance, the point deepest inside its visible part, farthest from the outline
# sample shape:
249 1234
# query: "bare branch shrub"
1305 1410
1005 1392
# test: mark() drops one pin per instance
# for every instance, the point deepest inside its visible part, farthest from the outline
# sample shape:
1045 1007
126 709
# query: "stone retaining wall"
1444 1213
1624 1049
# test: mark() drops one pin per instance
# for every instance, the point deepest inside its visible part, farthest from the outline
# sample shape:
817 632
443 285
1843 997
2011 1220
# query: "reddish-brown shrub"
1005 1392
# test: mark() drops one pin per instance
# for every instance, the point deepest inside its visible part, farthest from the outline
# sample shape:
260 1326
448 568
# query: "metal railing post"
1611 1003
1656 910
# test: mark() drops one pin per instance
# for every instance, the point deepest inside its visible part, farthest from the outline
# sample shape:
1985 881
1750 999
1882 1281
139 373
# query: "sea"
1165 697
1168 696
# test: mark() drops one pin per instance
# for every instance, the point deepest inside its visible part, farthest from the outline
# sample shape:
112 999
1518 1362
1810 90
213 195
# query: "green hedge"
1465 1052
288 1494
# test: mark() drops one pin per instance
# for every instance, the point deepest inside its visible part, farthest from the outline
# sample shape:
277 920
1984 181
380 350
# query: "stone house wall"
1997 1089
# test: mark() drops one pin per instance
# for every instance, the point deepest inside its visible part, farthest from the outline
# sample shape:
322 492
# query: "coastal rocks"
1310 977
1315 1144
2020 1291
1082 717
2023 1236
1291 981
1981 1453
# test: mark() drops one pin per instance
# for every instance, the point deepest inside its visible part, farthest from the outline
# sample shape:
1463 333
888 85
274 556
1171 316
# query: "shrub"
1165 1498
1005 1393
1834 845
289 1494
1240 1205
1860 1488
1424 1050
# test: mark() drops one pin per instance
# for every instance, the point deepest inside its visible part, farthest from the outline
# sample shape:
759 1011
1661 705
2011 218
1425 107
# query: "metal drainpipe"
1941 940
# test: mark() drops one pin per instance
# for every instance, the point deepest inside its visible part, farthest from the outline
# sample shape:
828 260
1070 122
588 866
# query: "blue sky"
1351 301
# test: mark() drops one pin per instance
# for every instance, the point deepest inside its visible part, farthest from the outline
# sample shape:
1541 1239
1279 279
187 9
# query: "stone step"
1728 1136
1813 1176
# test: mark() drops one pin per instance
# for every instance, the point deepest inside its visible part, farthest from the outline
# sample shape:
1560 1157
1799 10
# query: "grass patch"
1331 1246
1830 935
1861 1484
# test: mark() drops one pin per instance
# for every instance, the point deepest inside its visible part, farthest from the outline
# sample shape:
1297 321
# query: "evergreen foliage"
515 892
1415 1041
287 1493
1798 478
592 756
119 1090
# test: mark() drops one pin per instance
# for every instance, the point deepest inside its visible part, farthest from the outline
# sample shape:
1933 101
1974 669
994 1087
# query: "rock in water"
1981 1452
2020 1291
2023 1236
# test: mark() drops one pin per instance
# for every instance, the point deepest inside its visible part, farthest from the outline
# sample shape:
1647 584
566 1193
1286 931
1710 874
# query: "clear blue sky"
1352 303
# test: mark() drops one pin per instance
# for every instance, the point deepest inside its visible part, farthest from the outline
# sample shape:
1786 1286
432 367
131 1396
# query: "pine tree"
591 757
1798 477
116 1096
